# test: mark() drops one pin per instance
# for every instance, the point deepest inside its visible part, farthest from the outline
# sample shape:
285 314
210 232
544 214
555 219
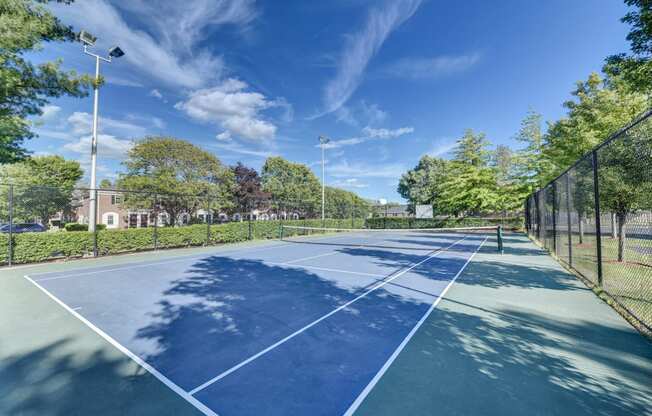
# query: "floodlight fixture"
87 38
116 52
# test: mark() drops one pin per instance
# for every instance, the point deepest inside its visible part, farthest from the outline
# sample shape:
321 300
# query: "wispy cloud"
82 122
442 148
49 112
361 114
362 46
174 54
344 169
349 183
108 146
368 133
421 68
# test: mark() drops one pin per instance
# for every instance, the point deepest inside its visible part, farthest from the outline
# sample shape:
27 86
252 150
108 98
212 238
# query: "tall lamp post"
115 52
323 140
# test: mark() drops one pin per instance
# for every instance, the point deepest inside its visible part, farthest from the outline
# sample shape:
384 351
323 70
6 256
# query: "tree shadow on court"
62 379
224 310
469 359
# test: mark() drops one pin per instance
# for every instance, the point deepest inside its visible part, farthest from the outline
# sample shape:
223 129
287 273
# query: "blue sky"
387 80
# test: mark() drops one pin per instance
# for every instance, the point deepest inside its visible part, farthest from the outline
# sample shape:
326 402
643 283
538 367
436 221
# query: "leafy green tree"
25 88
625 177
341 204
599 109
471 184
422 184
635 69
43 187
293 185
183 177
530 165
106 184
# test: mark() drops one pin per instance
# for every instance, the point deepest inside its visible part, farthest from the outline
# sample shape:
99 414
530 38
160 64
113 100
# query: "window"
116 199
109 219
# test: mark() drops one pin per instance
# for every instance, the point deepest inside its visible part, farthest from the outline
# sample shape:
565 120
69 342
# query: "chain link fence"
597 218
39 223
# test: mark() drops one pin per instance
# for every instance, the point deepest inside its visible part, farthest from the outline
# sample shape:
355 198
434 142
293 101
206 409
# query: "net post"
598 227
10 251
499 237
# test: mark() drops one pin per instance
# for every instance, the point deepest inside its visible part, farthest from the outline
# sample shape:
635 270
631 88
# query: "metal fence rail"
596 218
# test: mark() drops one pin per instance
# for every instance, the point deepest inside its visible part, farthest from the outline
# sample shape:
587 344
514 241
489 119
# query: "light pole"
115 52
323 140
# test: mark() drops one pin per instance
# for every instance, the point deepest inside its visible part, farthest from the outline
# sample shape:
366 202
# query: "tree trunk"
622 219
614 233
581 228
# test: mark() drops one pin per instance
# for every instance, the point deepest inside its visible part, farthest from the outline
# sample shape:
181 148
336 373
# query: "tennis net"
426 239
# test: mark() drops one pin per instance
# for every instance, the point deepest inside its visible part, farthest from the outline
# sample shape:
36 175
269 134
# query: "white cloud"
124 82
369 133
225 136
82 123
362 170
419 68
108 147
349 183
363 46
170 48
156 94
231 107
50 111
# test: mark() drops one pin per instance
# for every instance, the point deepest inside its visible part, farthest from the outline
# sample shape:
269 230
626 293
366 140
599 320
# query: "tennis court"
306 325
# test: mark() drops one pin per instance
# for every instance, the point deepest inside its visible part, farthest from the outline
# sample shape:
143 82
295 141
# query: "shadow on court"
541 344
59 380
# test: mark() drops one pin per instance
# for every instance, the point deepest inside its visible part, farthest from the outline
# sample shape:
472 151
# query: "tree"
600 109
625 177
503 162
635 69
470 185
422 184
43 187
180 175
106 184
26 88
530 165
248 191
510 189
293 185
341 204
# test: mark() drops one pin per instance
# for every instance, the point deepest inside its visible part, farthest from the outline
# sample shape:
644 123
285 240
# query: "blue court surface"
290 327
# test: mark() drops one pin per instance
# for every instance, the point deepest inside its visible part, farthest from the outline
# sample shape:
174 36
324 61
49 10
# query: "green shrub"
401 223
73 226
78 242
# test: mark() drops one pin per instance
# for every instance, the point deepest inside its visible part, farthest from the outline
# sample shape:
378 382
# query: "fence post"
279 215
598 226
250 206
352 211
568 220
554 217
10 252
156 212
209 219
96 206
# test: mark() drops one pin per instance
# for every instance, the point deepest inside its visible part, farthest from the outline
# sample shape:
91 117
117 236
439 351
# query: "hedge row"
37 247
398 223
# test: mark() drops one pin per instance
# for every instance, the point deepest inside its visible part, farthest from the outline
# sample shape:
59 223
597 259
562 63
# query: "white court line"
315 322
326 269
95 270
358 401
330 253
181 392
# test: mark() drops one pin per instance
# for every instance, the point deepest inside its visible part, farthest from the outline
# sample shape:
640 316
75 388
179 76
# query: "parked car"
23 228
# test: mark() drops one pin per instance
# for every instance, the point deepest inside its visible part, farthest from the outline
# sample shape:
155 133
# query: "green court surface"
515 334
